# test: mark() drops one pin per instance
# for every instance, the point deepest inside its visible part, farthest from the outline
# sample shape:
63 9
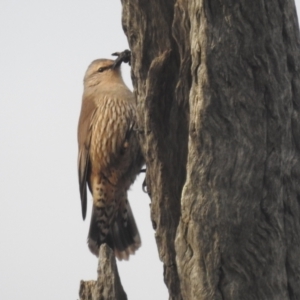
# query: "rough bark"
161 78
243 217
108 285
218 92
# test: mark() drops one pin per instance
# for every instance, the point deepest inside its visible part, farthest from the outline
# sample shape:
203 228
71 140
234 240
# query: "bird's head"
102 71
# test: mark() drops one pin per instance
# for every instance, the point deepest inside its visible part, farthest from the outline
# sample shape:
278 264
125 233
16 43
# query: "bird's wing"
112 121
88 112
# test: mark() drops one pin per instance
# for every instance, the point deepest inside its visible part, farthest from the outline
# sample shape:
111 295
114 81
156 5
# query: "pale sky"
46 47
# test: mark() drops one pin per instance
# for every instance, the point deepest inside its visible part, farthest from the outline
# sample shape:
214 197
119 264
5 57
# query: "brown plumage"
109 158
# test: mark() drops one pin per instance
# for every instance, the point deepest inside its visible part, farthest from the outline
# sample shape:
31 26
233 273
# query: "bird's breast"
109 128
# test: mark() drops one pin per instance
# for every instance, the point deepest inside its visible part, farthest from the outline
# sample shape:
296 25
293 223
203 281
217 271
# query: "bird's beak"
116 64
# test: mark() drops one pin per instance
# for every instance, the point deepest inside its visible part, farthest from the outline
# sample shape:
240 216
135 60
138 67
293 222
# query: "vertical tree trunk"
218 92
161 78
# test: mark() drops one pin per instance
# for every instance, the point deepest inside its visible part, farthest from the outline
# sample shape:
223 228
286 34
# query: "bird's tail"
123 236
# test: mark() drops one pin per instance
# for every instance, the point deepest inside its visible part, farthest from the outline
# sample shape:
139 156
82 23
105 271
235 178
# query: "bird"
109 158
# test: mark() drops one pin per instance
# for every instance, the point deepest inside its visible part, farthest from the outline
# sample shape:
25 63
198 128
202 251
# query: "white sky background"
46 47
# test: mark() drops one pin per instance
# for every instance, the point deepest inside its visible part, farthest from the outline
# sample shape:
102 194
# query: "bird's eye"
101 69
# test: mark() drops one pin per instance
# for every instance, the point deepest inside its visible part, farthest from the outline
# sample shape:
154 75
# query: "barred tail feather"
123 237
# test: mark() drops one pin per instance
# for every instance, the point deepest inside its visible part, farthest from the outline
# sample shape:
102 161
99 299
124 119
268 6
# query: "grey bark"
218 93
108 285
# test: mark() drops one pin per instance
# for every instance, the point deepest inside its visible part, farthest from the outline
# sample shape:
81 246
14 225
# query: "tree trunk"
218 93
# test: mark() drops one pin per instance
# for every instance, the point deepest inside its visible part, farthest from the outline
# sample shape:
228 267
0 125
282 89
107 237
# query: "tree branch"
108 285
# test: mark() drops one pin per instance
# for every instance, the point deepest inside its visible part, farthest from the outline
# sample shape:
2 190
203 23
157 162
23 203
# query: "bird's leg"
142 131
144 185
